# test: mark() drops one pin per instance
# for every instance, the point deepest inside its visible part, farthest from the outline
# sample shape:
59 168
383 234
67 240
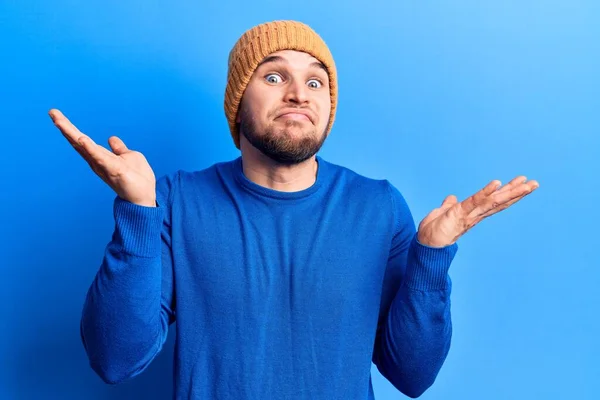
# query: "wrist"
146 203
143 202
436 243
427 267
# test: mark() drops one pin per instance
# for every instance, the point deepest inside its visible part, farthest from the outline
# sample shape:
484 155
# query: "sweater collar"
247 184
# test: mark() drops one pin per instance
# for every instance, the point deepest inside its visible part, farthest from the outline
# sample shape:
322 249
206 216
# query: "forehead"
292 57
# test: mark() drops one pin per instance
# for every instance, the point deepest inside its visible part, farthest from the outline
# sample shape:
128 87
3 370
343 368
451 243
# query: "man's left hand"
444 225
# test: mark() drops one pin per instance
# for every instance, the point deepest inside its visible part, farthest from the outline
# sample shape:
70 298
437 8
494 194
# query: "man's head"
286 106
281 90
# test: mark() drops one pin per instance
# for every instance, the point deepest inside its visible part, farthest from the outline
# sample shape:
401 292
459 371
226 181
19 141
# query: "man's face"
285 109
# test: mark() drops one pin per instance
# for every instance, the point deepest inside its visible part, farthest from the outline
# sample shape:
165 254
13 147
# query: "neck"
265 172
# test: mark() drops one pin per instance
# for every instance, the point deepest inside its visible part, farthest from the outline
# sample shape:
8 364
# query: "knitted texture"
256 44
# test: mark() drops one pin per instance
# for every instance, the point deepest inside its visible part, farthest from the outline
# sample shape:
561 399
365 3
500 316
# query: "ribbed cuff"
138 228
427 267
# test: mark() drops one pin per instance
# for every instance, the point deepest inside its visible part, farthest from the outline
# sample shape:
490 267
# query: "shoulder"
360 183
181 179
371 191
206 174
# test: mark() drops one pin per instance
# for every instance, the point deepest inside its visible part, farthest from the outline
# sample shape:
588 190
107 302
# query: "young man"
286 274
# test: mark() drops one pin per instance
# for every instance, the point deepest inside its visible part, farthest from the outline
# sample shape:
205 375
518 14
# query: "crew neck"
240 177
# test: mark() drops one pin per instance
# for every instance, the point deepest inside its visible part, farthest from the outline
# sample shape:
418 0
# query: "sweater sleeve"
130 304
415 328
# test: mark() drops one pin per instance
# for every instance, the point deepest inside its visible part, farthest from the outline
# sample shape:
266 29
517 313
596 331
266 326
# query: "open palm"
444 225
126 171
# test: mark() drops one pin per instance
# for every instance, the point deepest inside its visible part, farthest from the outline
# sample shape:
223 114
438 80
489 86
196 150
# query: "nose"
297 92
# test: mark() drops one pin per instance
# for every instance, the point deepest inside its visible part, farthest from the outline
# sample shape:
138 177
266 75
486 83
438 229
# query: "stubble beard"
279 143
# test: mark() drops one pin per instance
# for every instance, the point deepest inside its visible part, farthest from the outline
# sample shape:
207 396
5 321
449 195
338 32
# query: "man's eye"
314 83
273 78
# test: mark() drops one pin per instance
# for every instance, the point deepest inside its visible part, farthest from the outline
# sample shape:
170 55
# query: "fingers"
494 197
69 131
97 154
94 154
505 198
490 188
471 203
65 126
503 206
516 181
513 192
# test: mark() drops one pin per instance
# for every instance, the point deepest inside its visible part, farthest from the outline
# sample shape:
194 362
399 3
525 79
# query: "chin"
296 134
292 143
297 130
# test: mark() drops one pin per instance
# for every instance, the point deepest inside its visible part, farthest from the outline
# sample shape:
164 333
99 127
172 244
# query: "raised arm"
415 327
129 305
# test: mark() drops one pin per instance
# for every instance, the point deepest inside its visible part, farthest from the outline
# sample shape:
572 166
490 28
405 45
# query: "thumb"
117 145
449 201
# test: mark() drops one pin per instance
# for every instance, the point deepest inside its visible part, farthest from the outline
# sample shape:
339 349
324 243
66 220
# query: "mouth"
296 115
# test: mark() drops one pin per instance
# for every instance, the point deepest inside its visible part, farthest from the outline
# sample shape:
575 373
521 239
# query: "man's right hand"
126 171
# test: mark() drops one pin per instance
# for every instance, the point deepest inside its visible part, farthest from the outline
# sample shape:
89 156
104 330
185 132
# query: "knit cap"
256 44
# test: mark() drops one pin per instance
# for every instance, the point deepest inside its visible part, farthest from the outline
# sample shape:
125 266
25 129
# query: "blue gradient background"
439 97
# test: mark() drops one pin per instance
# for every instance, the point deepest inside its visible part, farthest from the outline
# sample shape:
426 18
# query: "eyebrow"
279 59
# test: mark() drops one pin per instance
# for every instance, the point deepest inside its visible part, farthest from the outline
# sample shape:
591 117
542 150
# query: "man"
287 275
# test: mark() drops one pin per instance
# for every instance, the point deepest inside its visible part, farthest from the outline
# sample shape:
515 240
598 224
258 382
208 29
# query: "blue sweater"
276 295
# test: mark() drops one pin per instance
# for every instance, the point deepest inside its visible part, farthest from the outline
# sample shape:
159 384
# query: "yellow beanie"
260 41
